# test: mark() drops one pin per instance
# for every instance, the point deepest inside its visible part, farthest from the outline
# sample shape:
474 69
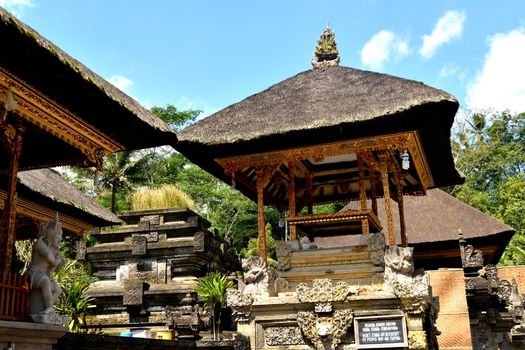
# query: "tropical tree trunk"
113 198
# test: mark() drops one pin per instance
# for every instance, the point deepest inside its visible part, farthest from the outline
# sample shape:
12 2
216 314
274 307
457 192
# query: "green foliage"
252 249
74 303
74 279
490 151
212 289
176 119
24 250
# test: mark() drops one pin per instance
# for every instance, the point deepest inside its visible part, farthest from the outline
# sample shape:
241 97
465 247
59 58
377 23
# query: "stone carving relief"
240 304
470 257
185 320
199 241
279 336
417 340
139 245
241 342
499 322
45 260
150 236
325 329
283 248
413 290
281 285
323 293
133 292
284 255
257 277
376 247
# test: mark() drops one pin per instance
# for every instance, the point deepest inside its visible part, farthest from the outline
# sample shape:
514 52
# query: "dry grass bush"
166 196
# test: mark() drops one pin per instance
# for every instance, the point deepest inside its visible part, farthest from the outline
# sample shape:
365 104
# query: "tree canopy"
489 149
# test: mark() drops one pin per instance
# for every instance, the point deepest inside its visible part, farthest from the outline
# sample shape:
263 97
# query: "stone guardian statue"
45 260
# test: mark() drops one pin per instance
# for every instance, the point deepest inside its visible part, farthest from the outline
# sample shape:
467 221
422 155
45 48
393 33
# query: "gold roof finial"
326 52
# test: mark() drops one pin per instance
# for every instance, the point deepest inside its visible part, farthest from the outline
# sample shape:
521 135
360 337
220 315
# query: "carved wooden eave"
393 142
40 213
36 109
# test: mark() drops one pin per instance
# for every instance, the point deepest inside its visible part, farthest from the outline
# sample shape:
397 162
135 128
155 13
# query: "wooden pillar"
291 198
383 165
365 229
309 194
373 193
401 209
13 145
264 175
263 253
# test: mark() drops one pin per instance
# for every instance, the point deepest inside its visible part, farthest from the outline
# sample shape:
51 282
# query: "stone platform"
376 300
29 335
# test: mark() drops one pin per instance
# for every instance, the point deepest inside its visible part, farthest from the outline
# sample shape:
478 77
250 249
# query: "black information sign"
380 332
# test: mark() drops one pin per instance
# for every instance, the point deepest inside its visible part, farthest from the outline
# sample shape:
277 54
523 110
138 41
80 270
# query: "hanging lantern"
405 160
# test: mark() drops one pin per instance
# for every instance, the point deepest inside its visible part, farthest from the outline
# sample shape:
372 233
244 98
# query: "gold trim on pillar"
48 115
383 165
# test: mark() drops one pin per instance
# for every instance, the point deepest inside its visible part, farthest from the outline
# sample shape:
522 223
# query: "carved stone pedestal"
374 300
29 336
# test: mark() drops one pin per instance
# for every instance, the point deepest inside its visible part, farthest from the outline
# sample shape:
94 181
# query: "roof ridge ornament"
326 52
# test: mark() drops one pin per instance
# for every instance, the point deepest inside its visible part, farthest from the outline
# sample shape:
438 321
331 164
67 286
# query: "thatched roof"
49 189
438 216
432 225
327 105
45 67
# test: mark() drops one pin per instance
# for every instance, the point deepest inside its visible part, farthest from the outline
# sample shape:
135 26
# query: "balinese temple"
333 134
147 271
53 111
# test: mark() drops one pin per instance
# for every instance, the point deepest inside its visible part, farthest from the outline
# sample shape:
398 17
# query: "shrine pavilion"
331 134
54 111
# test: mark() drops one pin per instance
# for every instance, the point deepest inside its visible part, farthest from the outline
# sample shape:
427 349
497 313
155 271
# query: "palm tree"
116 173
212 289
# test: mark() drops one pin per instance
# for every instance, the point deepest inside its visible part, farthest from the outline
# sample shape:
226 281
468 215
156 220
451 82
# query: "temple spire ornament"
326 52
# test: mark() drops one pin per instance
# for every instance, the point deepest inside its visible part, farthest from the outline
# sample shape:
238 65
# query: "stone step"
333 272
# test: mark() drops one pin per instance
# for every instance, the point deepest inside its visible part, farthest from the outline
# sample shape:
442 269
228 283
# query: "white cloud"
185 103
452 70
501 83
448 27
448 70
16 7
382 47
121 82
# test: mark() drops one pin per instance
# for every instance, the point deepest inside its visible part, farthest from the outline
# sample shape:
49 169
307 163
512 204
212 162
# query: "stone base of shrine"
372 320
29 335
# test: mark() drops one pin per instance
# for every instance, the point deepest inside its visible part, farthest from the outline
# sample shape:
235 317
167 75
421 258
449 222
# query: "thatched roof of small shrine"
432 225
438 216
44 66
49 189
328 105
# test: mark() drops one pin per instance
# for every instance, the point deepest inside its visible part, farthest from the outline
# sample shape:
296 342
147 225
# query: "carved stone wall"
496 308
150 263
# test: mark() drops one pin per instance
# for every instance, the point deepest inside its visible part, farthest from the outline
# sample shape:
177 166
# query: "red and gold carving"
37 109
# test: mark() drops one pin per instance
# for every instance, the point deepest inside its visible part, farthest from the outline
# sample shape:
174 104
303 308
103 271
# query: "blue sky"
210 54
